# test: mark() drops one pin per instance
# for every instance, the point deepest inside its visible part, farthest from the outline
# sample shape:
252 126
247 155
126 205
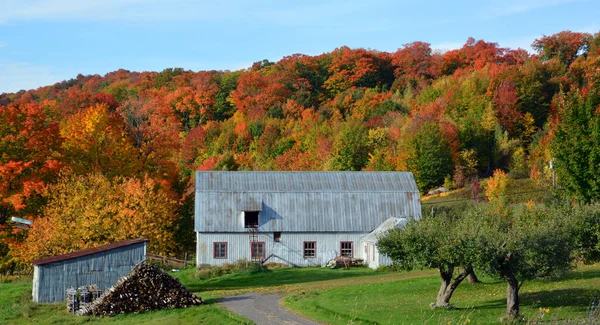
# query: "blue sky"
46 41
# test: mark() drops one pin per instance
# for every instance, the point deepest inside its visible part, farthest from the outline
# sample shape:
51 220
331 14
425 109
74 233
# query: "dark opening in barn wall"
251 219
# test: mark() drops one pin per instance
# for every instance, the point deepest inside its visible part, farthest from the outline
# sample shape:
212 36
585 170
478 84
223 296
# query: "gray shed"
295 218
102 265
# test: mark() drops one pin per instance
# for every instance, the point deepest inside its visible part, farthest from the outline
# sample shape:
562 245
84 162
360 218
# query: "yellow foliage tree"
92 210
495 190
94 140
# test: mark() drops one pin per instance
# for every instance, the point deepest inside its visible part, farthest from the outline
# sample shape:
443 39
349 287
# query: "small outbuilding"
299 218
368 243
102 265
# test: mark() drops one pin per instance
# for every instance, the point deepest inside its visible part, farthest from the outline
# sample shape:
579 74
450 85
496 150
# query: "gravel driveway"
263 309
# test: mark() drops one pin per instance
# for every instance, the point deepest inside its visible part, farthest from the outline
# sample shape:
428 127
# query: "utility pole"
553 173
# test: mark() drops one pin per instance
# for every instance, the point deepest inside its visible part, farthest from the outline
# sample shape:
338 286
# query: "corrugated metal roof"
373 236
304 201
305 182
88 251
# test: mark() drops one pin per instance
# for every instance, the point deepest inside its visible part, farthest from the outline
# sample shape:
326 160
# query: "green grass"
358 295
264 281
16 307
407 301
518 191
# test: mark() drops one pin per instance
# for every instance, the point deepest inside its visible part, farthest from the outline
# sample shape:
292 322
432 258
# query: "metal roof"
390 223
304 201
305 182
88 251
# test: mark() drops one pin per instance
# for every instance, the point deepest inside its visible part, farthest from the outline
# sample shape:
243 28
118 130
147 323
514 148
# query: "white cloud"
2 44
18 76
447 46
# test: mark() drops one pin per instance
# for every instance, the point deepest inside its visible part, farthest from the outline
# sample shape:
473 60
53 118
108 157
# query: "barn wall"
104 269
288 250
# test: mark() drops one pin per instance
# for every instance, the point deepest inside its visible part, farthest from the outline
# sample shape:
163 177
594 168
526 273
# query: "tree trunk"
472 278
448 286
442 299
512 296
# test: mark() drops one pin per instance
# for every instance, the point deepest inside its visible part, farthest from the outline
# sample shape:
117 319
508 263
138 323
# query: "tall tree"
566 46
29 156
429 157
96 141
576 145
91 210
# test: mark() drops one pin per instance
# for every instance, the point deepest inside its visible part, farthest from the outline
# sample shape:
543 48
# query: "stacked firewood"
145 288
345 262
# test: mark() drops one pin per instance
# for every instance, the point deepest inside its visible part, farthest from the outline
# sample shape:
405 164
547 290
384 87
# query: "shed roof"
304 201
390 223
89 251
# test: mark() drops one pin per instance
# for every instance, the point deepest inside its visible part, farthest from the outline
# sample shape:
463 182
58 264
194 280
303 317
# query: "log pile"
145 288
345 262
81 297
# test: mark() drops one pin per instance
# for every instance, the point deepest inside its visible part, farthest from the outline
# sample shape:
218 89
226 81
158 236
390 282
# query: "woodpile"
81 297
345 262
145 288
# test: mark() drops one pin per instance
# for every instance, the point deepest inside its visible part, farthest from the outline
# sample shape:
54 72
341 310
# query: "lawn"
407 301
358 295
16 306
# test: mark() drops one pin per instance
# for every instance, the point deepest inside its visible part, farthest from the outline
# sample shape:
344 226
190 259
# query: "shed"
102 265
295 218
368 243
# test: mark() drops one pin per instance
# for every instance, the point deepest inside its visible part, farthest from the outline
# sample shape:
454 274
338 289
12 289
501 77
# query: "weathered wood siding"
50 281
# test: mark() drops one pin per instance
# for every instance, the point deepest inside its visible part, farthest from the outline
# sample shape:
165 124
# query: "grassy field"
518 191
358 296
407 301
16 306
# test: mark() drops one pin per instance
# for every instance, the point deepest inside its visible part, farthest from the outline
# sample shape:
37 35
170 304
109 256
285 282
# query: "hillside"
450 118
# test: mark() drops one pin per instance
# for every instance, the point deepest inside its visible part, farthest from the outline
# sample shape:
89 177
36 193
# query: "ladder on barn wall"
253 235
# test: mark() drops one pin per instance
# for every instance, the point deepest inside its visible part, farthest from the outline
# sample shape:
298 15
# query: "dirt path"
263 309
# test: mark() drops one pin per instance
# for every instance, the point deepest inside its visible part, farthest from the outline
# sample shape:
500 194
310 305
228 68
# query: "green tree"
435 241
350 149
576 145
521 246
429 157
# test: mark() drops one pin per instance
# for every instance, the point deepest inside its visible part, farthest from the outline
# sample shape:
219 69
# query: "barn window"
277 236
219 250
257 250
310 249
251 219
346 249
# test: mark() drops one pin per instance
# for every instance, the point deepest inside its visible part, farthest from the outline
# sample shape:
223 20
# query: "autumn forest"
97 159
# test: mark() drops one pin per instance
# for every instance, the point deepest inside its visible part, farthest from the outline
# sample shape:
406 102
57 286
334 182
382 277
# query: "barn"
299 218
102 265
